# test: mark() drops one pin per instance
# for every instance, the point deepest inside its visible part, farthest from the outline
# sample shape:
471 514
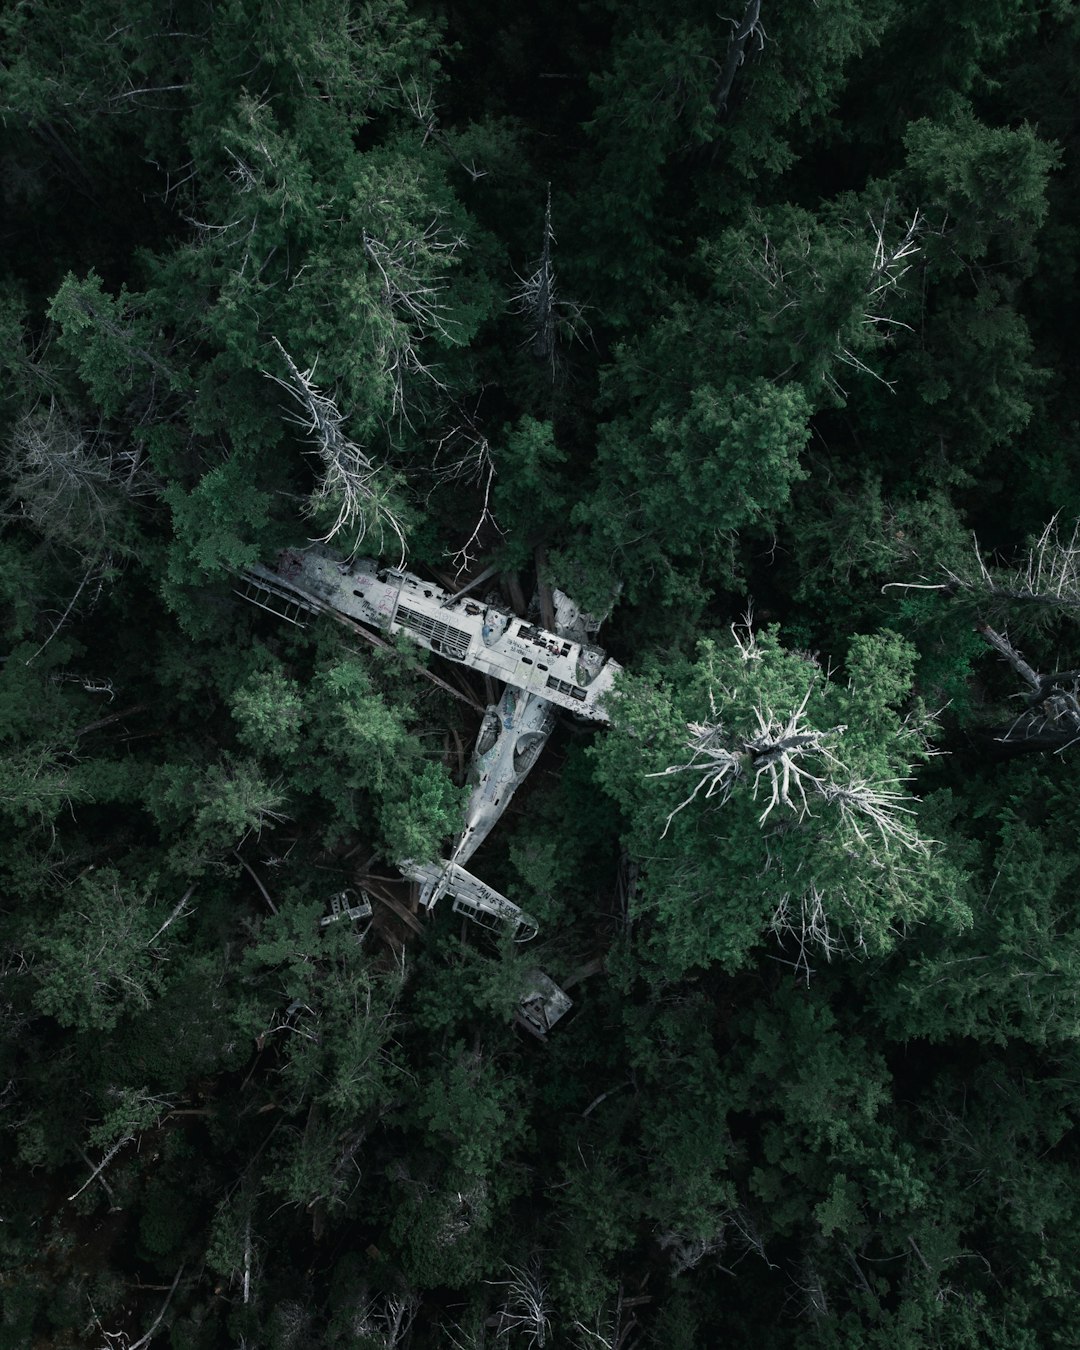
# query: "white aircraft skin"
563 670
471 896
512 735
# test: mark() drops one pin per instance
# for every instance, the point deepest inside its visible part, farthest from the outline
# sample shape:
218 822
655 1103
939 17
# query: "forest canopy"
752 333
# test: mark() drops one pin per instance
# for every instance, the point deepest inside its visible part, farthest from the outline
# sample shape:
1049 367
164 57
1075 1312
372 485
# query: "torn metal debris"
473 898
542 1003
541 669
347 904
565 671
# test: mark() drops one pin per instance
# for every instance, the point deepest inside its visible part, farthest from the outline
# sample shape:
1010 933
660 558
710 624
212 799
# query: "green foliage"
829 869
817 1083
987 185
111 340
212 809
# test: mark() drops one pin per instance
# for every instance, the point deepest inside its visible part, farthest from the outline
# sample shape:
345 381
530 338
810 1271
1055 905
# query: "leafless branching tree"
350 483
421 104
414 305
536 298
687 1253
791 763
746 33
463 455
792 274
524 1310
1041 585
1042 582
70 482
887 271
613 1325
386 1319
810 1292
805 926
120 1340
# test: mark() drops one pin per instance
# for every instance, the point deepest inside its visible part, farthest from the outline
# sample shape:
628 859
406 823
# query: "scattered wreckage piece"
471 897
542 1004
347 904
566 671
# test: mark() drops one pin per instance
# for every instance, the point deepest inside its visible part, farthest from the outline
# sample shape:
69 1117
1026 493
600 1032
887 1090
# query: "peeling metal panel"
470 896
512 735
541 669
347 905
567 671
542 1003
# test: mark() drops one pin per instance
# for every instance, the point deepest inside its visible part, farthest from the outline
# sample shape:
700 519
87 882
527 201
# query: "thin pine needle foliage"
350 488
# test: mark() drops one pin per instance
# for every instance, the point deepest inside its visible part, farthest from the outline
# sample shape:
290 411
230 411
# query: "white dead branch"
350 482
463 455
791 763
421 105
537 300
890 264
119 1340
385 1321
746 33
68 481
413 303
803 925
1046 576
524 1309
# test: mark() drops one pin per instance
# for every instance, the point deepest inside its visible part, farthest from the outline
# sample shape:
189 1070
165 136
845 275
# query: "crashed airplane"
567 671
541 669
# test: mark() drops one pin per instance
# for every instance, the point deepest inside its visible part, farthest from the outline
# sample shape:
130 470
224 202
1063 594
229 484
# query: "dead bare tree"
463 455
73 486
536 298
350 483
1050 719
804 924
70 482
745 33
613 1324
135 1112
687 1253
810 1287
731 1229
525 1309
386 1320
421 105
889 267
119 1340
791 763
788 274
1041 585
412 299
1043 581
